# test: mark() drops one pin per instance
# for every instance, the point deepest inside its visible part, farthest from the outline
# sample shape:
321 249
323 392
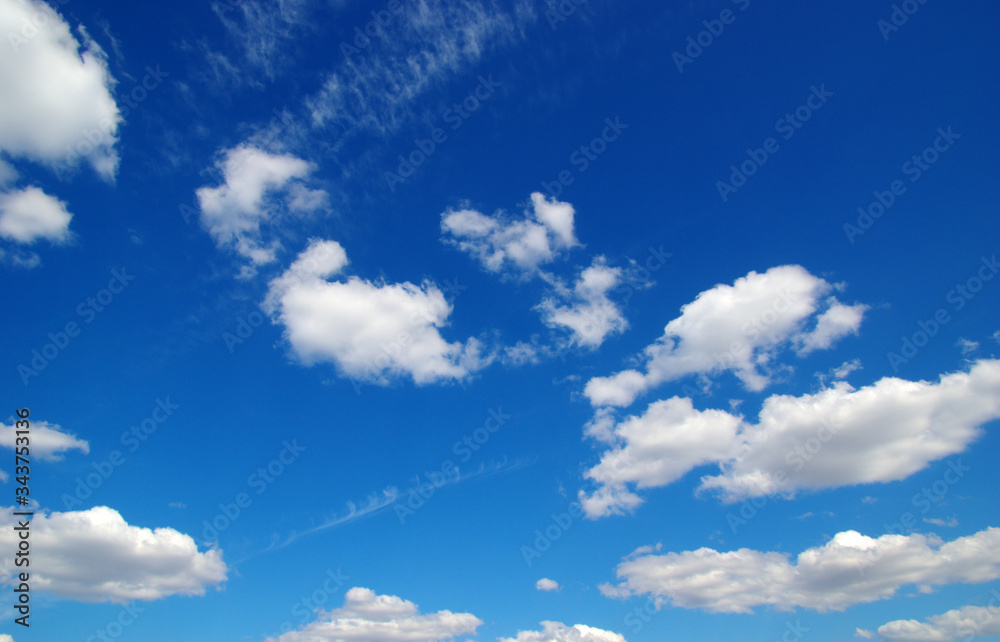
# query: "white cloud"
849 569
967 346
57 91
839 436
956 624
590 315
95 556
257 187
367 617
545 584
837 321
48 441
846 368
423 44
29 214
502 244
263 31
371 331
559 632
7 173
19 257
656 449
738 328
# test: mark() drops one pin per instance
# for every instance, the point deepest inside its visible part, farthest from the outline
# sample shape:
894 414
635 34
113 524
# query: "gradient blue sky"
533 258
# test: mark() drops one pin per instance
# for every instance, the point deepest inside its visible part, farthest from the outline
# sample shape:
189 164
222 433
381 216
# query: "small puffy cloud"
257 187
967 346
368 617
95 556
839 436
371 331
559 632
837 321
21 258
846 368
956 624
502 244
737 328
586 311
29 214
57 91
48 441
545 584
849 569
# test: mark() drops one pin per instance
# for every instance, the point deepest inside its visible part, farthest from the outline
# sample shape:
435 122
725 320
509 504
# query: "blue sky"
570 322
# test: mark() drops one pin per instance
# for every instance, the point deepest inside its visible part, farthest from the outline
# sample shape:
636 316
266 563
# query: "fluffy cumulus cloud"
956 624
738 328
419 45
545 584
517 245
849 569
839 436
57 106
837 321
257 188
29 214
655 449
368 617
585 310
371 331
559 632
95 556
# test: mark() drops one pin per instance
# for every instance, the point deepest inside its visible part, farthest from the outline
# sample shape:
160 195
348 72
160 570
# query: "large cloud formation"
95 556
956 624
849 569
839 436
57 107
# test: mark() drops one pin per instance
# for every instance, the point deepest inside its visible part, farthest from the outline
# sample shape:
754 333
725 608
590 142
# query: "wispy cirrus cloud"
373 91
